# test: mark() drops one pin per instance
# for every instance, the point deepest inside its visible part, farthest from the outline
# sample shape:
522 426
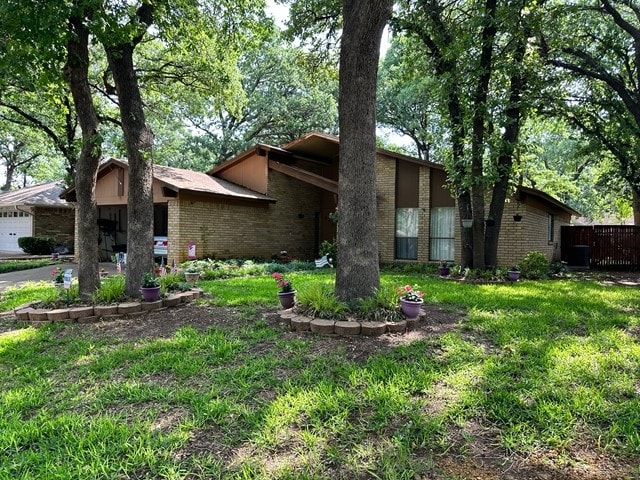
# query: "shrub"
534 265
317 300
111 290
383 307
330 250
36 245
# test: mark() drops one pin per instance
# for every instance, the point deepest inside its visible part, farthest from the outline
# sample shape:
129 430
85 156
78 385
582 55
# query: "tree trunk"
138 142
358 272
510 138
76 71
636 208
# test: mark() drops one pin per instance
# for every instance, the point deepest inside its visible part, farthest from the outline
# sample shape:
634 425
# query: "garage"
13 225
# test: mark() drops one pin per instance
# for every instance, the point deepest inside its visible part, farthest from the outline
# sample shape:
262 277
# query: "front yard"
536 380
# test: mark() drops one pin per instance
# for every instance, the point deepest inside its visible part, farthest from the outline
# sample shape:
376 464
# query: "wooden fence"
610 247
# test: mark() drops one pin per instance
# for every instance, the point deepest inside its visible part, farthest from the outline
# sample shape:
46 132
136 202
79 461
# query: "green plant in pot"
150 287
191 273
514 273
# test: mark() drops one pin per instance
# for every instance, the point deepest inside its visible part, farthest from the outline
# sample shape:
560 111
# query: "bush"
330 250
534 266
36 245
383 307
318 300
111 290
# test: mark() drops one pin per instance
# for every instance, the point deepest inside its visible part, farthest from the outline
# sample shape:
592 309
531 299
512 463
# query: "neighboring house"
270 199
35 211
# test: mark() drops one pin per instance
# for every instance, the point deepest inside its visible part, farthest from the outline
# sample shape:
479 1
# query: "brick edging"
94 313
302 323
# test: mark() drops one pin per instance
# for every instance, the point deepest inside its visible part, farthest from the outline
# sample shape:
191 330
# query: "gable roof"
180 179
523 192
43 195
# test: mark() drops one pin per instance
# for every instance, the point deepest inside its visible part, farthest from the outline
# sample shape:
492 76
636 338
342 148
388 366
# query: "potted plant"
287 294
191 274
150 288
444 269
410 300
514 273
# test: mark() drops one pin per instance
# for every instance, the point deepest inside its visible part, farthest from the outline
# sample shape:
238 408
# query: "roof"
546 198
180 179
43 195
314 146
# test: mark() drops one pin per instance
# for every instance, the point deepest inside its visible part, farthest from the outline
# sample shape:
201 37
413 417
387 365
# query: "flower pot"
410 309
513 275
444 271
517 217
467 222
287 299
191 276
150 294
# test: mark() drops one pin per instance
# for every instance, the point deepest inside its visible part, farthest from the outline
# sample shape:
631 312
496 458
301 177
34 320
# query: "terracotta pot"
150 294
410 309
287 299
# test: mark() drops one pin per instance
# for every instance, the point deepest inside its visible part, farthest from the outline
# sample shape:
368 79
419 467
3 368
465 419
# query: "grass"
549 368
7 266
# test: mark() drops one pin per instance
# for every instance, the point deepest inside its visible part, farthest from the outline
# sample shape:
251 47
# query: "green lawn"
541 375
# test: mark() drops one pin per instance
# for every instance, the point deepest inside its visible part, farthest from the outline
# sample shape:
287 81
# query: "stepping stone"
147 306
105 310
397 327
80 312
373 329
58 314
171 301
39 315
300 323
348 328
412 323
325 327
131 307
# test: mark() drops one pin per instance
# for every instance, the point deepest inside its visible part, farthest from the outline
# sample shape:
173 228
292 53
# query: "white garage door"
13 225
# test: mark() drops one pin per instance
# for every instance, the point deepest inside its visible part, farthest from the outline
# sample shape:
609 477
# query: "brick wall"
58 223
232 229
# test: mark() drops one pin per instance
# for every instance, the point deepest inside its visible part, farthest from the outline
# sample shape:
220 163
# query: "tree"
289 92
478 54
598 44
358 274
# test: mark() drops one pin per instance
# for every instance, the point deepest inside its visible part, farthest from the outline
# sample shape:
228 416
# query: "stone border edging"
301 323
91 314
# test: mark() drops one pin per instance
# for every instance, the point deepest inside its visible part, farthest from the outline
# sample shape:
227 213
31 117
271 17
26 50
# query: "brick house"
269 199
35 211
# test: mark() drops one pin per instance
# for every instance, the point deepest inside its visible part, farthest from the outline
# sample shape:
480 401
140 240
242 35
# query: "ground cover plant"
7 266
531 380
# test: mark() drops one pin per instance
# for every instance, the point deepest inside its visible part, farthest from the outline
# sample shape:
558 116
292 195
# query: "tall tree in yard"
358 272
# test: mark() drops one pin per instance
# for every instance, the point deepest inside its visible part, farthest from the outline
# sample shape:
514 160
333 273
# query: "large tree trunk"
636 208
76 71
510 138
138 141
358 272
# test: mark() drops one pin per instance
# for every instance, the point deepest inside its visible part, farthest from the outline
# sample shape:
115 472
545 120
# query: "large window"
407 233
441 236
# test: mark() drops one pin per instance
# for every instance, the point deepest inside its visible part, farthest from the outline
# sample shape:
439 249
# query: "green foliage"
149 280
112 290
330 249
534 265
318 300
382 307
36 245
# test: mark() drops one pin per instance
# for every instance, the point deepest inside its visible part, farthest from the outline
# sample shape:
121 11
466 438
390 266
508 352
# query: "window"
441 233
407 233
551 220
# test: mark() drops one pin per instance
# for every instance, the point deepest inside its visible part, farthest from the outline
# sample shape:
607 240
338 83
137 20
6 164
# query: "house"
269 199
35 211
